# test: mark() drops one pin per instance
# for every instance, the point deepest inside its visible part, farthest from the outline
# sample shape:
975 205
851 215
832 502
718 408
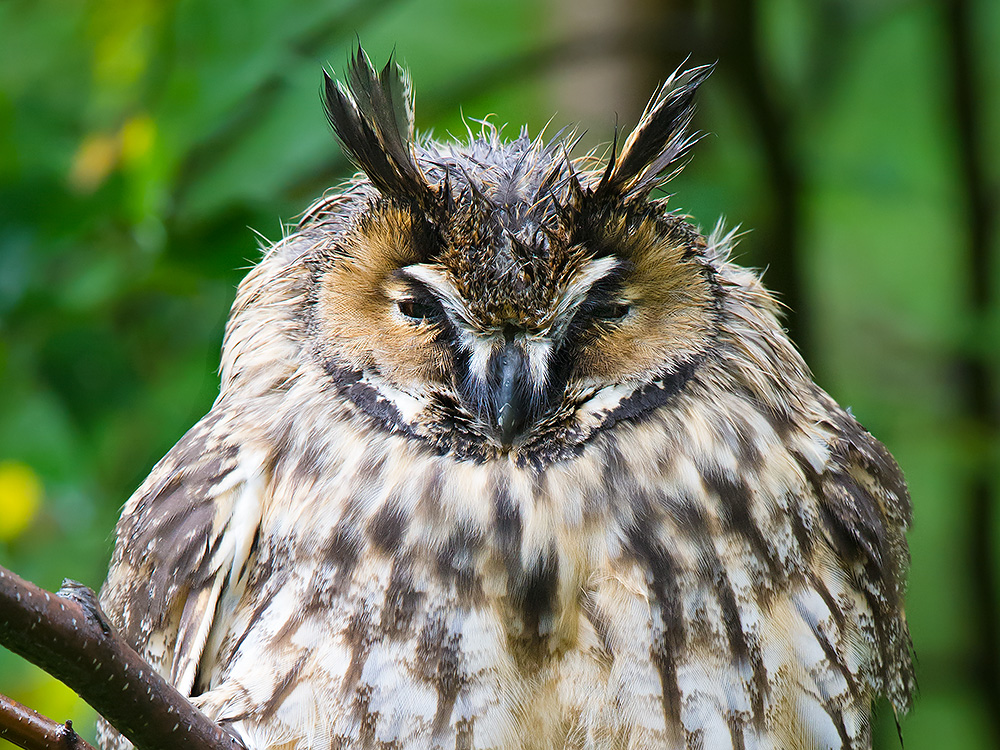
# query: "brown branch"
27 728
68 636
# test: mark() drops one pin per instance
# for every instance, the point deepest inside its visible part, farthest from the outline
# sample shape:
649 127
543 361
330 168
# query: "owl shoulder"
178 539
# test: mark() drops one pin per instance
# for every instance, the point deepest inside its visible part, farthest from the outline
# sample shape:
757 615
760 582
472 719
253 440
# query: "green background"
143 143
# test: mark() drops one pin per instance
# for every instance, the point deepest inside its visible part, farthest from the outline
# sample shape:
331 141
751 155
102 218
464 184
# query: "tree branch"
69 637
27 728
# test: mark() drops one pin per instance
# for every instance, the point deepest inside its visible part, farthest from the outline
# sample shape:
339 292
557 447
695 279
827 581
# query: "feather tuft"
372 116
659 140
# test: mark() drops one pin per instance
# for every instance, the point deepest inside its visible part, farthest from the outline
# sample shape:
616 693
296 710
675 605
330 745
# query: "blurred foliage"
140 140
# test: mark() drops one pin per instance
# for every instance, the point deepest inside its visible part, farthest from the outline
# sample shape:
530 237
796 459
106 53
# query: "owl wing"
864 511
844 618
183 537
840 616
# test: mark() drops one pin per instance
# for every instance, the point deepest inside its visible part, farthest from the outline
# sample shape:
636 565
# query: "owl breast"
651 591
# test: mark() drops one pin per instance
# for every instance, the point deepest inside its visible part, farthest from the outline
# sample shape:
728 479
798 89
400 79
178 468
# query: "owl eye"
611 311
417 310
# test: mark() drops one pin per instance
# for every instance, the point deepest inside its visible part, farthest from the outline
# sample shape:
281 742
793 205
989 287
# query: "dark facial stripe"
349 383
420 303
652 395
446 334
583 327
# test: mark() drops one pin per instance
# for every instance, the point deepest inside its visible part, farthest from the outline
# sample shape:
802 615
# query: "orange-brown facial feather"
668 288
549 283
357 301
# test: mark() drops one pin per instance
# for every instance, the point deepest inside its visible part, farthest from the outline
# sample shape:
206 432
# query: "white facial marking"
539 350
409 407
436 278
577 289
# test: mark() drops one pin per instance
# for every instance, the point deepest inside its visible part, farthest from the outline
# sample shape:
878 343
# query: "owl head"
501 297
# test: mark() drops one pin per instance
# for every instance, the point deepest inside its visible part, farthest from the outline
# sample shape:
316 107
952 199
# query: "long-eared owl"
508 454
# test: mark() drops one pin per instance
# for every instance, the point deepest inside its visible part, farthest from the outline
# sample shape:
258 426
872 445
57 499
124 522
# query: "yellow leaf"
20 496
137 135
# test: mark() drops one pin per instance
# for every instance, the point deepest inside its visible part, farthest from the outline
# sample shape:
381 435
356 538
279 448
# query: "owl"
508 454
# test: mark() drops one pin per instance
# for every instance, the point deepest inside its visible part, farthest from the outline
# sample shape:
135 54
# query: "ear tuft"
372 116
658 141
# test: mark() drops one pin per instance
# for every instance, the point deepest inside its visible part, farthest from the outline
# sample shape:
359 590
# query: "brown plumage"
509 455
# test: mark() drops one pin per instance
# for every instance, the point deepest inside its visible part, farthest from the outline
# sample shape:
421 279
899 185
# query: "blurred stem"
741 56
979 391
25 727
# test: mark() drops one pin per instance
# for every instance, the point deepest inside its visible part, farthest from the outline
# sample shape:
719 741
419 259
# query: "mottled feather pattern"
687 545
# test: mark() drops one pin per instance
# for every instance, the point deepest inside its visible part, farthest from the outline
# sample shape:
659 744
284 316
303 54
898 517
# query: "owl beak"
510 366
508 416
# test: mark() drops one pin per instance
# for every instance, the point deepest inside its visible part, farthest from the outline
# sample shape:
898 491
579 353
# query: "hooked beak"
510 411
